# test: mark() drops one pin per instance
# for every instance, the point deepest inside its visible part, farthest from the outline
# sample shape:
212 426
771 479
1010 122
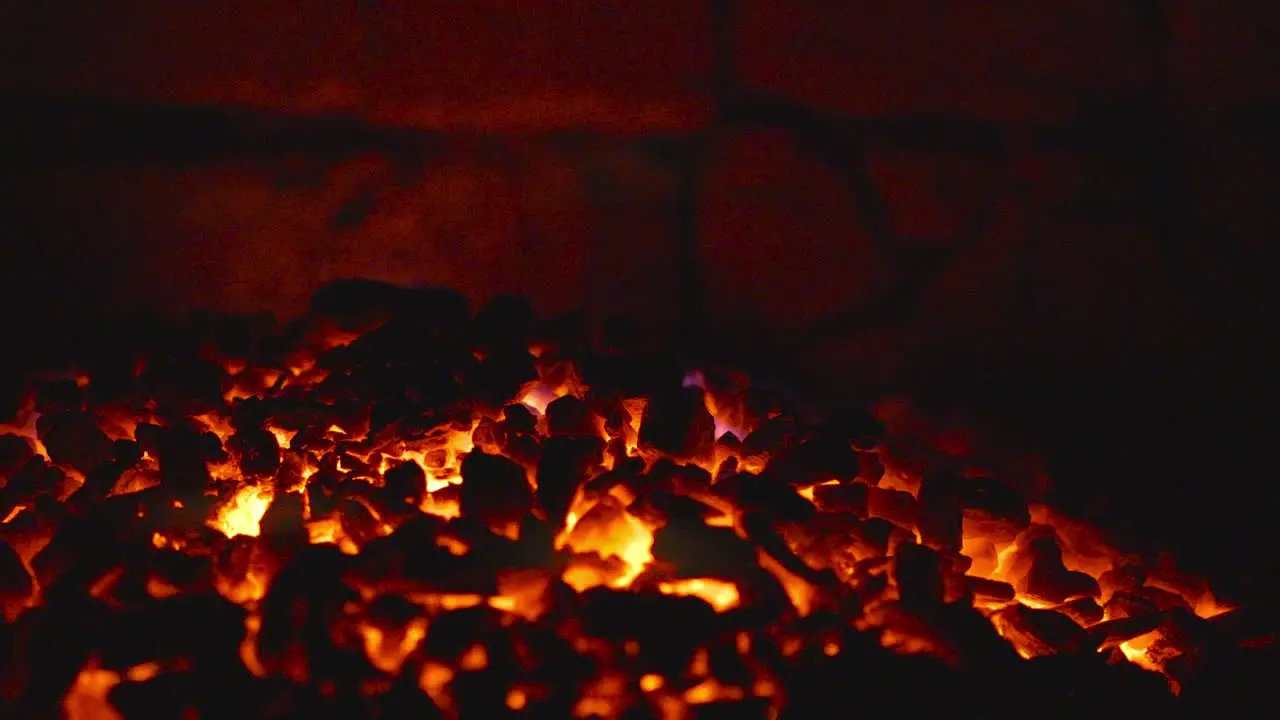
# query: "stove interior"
274 277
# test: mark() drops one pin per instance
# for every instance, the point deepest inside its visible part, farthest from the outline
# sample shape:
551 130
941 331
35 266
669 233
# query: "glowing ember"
722 595
538 398
243 514
424 544
87 698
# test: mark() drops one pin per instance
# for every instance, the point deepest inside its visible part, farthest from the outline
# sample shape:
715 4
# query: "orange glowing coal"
406 555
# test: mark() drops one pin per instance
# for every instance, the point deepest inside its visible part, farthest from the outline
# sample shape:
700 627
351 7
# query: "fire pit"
391 508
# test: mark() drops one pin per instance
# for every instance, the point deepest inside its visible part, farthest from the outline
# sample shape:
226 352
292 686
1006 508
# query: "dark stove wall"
1059 213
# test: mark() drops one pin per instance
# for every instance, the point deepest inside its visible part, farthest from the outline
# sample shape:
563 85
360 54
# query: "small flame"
720 594
387 652
243 514
538 398
87 698
283 437
1136 651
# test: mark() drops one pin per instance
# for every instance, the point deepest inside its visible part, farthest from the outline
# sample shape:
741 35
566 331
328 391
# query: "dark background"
1059 220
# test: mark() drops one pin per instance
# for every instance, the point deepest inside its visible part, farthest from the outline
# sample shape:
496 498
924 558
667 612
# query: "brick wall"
548 147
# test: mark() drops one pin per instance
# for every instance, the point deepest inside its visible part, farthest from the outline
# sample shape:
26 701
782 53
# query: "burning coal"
394 509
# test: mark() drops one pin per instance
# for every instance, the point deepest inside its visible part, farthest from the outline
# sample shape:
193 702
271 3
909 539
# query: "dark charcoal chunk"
1164 599
404 699
677 424
519 418
188 573
303 605
1080 685
410 558
205 629
73 439
481 693
1084 610
1192 641
759 529
454 633
357 522
26 483
570 416
1125 604
874 534
992 590
390 612
565 465
312 438
211 446
322 491
553 662
666 474
615 416
181 452
506 320
488 436
534 548
760 493
816 461
659 507
168 695
1117 630
696 550
938 511
15 451
871 468
918 573
524 448
283 528
727 469
1039 572
126 452
826 542
728 664
733 709
1128 577
773 436
257 450
1249 625
969 637
148 436
1041 632
992 509
494 490
615 452
83 549
668 628
98 483
15 582
896 506
51 645
250 413
501 375
1235 683
406 482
